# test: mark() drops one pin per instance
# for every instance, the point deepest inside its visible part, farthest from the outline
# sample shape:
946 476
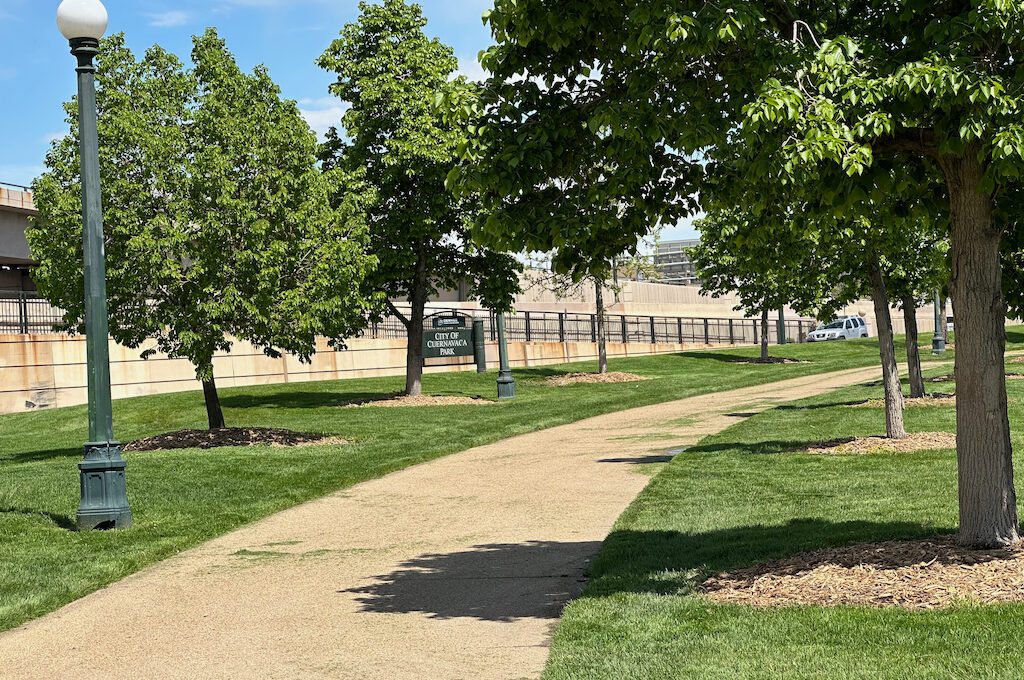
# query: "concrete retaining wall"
47 371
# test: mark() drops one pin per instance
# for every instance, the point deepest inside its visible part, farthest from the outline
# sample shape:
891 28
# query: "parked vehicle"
844 328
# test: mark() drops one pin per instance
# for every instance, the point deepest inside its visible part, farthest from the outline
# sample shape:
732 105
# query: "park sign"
450 336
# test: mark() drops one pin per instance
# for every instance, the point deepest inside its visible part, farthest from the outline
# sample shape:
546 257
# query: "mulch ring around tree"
593 378
937 399
401 400
231 436
921 574
917 441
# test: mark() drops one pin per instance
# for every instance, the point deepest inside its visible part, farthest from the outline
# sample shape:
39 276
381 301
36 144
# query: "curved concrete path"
457 568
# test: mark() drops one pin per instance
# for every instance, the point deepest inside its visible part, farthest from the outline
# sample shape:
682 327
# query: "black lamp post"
938 340
506 383
104 502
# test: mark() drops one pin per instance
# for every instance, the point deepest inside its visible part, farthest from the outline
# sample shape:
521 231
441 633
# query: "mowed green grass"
744 497
184 497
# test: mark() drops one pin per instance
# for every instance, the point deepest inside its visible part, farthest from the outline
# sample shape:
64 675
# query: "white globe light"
82 19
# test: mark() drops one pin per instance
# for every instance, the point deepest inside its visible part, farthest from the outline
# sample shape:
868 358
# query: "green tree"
732 258
884 91
217 219
914 277
400 138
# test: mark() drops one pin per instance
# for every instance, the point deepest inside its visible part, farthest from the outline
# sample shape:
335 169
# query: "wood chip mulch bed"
931 400
921 574
917 441
401 401
593 378
231 436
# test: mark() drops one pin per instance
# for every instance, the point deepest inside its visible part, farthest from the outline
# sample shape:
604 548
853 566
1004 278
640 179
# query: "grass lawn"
743 497
182 498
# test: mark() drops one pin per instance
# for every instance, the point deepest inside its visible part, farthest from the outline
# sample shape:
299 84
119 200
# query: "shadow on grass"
297 400
767 447
671 562
722 357
540 372
496 582
818 407
61 521
37 456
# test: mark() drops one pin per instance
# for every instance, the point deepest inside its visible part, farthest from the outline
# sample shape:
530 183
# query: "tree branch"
394 310
919 141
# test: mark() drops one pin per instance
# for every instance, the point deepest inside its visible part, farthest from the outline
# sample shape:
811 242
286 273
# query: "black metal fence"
569 327
27 313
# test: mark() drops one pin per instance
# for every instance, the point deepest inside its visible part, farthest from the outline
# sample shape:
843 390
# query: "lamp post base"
938 345
506 385
104 503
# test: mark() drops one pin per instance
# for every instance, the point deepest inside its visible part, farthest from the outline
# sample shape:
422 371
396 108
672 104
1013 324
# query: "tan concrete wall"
47 371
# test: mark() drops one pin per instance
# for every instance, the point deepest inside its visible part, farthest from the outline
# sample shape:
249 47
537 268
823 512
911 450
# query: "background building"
672 259
16 207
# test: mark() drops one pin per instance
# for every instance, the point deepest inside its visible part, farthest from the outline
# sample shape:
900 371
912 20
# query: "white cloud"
322 113
471 68
168 19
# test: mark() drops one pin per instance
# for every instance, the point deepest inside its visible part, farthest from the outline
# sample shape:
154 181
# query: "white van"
844 328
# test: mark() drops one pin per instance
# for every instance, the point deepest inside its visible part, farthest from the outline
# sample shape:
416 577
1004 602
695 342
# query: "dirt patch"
917 441
931 400
942 379
1015 376
923 574
593 378
402 401
1015 360
232 436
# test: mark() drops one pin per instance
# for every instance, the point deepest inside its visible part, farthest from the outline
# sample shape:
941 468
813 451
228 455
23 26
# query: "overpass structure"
16 207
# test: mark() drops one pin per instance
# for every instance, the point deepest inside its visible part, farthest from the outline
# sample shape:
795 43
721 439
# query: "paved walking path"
457 568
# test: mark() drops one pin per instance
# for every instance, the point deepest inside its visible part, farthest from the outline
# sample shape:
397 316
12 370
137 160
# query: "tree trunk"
602 335
988 502
764 336
894 427
214 414
913 350
414 348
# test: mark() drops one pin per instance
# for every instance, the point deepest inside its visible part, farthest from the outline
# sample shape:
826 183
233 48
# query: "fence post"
625 332
494 329
732 337
526 316
593 328
679 323
561 326
654 333
754 324
23 313
707 334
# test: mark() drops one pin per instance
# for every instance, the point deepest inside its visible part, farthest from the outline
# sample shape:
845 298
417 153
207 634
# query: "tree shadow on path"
495 582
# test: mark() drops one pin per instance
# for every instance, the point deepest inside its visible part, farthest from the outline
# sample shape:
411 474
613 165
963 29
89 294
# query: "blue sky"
37 72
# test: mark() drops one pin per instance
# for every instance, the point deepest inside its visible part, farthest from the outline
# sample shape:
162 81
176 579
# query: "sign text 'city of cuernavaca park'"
449 337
